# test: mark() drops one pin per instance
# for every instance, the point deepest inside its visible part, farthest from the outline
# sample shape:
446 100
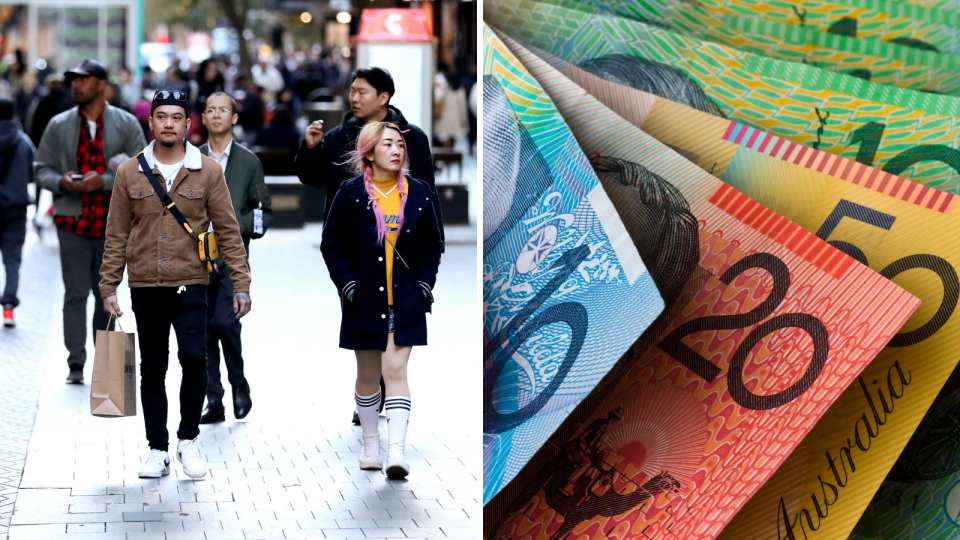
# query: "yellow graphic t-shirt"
388 198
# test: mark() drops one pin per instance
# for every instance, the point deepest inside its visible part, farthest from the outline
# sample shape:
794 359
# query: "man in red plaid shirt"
73 162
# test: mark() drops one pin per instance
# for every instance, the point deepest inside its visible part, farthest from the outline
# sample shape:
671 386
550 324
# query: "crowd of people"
136 189
270 96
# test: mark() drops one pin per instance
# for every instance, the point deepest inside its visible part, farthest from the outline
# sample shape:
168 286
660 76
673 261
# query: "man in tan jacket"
168 281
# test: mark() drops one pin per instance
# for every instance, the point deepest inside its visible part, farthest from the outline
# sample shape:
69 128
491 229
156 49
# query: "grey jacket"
58 152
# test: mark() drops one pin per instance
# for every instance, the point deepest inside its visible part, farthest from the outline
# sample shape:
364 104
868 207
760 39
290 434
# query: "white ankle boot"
396 466
370 452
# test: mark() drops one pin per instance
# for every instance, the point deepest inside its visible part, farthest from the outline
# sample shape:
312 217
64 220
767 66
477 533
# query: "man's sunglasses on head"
165 94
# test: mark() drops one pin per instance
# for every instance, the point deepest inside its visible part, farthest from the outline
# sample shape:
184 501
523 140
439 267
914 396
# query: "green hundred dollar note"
909 134
877 61
884 20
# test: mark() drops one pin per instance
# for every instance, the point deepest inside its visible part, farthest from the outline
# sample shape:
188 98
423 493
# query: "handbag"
428 300
208 247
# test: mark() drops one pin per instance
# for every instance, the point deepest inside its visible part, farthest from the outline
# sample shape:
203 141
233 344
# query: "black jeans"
223 328
13 232
156 309
80 261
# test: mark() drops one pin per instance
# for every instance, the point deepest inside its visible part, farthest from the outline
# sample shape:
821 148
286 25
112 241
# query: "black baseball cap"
87 68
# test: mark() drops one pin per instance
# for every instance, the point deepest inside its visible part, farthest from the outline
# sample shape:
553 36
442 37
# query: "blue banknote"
565 291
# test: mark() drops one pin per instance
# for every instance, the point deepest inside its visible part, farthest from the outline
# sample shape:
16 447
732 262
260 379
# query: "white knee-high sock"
398 416
368 409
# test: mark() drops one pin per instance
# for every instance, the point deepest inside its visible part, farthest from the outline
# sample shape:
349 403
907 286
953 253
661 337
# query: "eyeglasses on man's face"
212 111
165 94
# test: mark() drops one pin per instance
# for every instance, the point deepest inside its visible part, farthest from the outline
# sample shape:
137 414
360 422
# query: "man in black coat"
320 159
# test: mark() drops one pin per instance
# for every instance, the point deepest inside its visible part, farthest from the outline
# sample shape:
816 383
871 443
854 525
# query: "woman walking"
382 244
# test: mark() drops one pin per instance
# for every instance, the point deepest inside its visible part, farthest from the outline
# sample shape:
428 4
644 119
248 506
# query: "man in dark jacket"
16 171
251 204
320 159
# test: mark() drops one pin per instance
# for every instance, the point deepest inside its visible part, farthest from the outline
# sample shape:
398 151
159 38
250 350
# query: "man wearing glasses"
251 204
168 280
71 162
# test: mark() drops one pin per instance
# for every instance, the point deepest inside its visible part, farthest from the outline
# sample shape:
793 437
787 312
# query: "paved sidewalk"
289 469
23 353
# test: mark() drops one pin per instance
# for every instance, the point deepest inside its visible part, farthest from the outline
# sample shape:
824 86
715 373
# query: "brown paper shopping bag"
114 388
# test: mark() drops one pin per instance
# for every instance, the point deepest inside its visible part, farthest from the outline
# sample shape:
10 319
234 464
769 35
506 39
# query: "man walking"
16 171
322 158
71 163
168 279
251 204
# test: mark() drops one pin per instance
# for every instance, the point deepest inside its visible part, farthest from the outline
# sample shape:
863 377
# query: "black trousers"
223 329
80 261
156 309
13 232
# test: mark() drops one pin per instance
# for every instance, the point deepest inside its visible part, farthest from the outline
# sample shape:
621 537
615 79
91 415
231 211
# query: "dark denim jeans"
156 309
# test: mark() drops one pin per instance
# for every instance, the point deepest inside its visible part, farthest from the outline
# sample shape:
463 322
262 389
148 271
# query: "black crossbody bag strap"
165 197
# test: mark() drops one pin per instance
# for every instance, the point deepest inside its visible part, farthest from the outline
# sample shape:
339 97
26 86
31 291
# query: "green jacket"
247 188
58 152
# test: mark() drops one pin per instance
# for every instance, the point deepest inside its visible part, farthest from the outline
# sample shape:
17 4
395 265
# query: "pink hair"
367 141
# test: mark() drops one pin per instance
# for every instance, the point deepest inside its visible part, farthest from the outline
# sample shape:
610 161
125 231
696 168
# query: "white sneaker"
155 464
189 454
396 466
370 452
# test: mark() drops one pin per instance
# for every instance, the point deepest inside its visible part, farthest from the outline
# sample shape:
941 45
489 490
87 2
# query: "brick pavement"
22 354
288 470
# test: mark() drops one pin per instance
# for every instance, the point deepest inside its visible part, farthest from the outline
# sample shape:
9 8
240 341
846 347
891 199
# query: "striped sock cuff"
367 401
397 402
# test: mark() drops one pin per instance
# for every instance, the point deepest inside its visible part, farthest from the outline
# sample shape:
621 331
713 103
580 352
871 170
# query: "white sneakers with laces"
396 466
189 455
155 464
370 452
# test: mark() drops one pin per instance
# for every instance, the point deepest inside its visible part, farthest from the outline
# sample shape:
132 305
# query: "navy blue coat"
356 262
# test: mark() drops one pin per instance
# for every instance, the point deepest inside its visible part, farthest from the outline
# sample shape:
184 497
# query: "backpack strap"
164 196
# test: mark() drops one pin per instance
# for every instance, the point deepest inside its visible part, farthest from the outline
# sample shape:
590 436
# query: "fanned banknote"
910 134
850 205
877 61
565 291
773 324
885 20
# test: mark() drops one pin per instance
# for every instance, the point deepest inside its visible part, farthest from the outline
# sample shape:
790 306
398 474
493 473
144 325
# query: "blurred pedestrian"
177 80
252 108
281 132
254 212
27 99
150 80
59 98
16 171
171 291
209 81
71 163
268 77
452 122
128 87
382 245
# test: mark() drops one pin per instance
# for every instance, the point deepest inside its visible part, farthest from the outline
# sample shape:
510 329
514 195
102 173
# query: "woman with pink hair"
382 245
